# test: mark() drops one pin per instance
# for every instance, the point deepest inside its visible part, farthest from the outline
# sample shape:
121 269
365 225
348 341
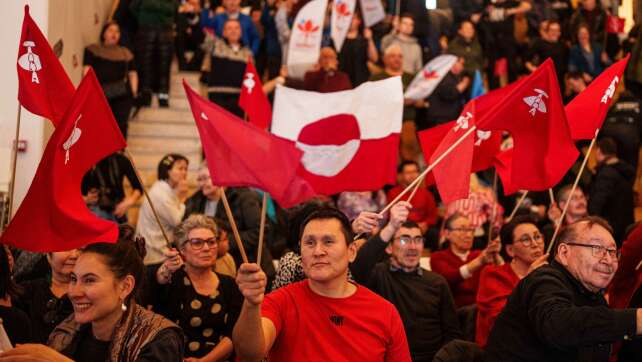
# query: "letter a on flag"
53 215
43 86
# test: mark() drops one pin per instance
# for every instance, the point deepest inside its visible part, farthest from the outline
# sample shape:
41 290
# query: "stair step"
165 129
164 114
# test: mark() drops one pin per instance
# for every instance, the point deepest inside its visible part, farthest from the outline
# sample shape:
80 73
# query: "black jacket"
611 196
423 299
445 103
551 316
246 209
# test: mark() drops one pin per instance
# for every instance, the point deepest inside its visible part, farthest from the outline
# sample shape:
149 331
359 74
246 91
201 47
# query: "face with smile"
198 252
406 248
95 291
325 253
593 270
63 262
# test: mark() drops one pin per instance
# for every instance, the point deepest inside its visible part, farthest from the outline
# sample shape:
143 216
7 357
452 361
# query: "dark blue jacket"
249 36
577 62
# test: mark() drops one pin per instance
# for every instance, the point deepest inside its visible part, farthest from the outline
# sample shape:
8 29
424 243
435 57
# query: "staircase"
155 132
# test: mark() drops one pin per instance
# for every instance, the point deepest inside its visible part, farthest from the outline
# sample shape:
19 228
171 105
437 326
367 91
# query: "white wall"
77 23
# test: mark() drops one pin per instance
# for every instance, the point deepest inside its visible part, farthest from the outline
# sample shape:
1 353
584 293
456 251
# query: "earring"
123 307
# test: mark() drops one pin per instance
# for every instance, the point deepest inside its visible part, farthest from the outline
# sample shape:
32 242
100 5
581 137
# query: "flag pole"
12 187
261 228
568 201
235 229
414 191
428 169
517 205
493 215
550 194
149 200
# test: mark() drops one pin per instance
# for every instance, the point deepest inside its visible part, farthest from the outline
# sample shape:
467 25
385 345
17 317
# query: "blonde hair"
194 221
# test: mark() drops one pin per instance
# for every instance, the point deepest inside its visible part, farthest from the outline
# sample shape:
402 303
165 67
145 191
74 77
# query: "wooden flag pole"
517 205
570 196
414 191
261 228
493 214
149 200
235 229
14 163
550 194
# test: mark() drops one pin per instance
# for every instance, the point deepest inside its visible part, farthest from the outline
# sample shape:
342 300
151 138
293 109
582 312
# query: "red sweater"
326 82
424 207
446 263
496 282
627 279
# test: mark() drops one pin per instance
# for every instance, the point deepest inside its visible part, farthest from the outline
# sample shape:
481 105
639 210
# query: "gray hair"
194 221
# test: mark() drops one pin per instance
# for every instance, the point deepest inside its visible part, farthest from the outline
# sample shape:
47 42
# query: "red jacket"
446 263
627 279
424 207
496 283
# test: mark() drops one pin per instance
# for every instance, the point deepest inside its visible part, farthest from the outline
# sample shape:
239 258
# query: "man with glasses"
459 264
558 312
422 297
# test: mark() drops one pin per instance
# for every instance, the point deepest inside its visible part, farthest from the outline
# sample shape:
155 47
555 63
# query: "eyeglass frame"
211 242
417 240
603 250
531 238
463 229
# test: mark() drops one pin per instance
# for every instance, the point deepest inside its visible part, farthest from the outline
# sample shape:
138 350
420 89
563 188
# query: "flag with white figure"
429 78
342 12
372 12
350 139
305 40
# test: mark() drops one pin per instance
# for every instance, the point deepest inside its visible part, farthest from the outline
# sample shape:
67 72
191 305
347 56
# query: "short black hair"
326 213
408 224
506 234
405 163
104 29
607 146
166 164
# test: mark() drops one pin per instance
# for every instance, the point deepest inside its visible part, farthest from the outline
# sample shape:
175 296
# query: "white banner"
429 78
372 12
305 41
342 12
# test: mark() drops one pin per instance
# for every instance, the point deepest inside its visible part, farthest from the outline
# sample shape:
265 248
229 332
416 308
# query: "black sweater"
423 299
551 316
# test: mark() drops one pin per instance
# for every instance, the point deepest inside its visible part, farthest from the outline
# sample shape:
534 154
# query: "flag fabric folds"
342 12
305 40
349 139
53 215
587 110
43 86
253 100
429 78
240 154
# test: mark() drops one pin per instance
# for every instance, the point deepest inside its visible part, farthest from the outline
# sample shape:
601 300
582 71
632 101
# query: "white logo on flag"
249 82
462 121
73 138
30 61
536 102
327 160
482 136
608 94
204 116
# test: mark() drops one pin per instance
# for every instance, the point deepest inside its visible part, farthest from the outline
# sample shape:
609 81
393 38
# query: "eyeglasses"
463 230
198 243
527 240
599 251
407 240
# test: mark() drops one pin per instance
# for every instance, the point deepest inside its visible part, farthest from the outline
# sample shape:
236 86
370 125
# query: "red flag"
240 154
614 24
53 215
534 115
504 167
43 86
253 101
587 111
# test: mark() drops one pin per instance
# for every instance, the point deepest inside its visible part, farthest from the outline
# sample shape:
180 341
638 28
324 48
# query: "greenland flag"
349 139
305 40
429 78
342 11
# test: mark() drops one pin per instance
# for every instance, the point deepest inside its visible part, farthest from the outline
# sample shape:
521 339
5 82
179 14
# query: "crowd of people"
337 280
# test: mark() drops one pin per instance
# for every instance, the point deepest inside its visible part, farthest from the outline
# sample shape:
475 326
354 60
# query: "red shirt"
496 282
446 263
326 82
311 327
424 207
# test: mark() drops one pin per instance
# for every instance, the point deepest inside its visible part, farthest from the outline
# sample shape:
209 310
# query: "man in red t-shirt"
424 207
322 318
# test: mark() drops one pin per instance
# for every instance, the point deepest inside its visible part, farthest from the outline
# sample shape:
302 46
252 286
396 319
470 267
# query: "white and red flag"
350 139
342 12
253 100
53 216
43 86
372 12
586 112
305 40
429 78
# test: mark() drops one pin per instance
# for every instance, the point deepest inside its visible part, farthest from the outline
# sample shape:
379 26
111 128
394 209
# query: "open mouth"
81 307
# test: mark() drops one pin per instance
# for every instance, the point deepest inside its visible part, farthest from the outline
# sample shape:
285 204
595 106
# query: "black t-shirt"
108 70
91 349
108 175
353 60
16 324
